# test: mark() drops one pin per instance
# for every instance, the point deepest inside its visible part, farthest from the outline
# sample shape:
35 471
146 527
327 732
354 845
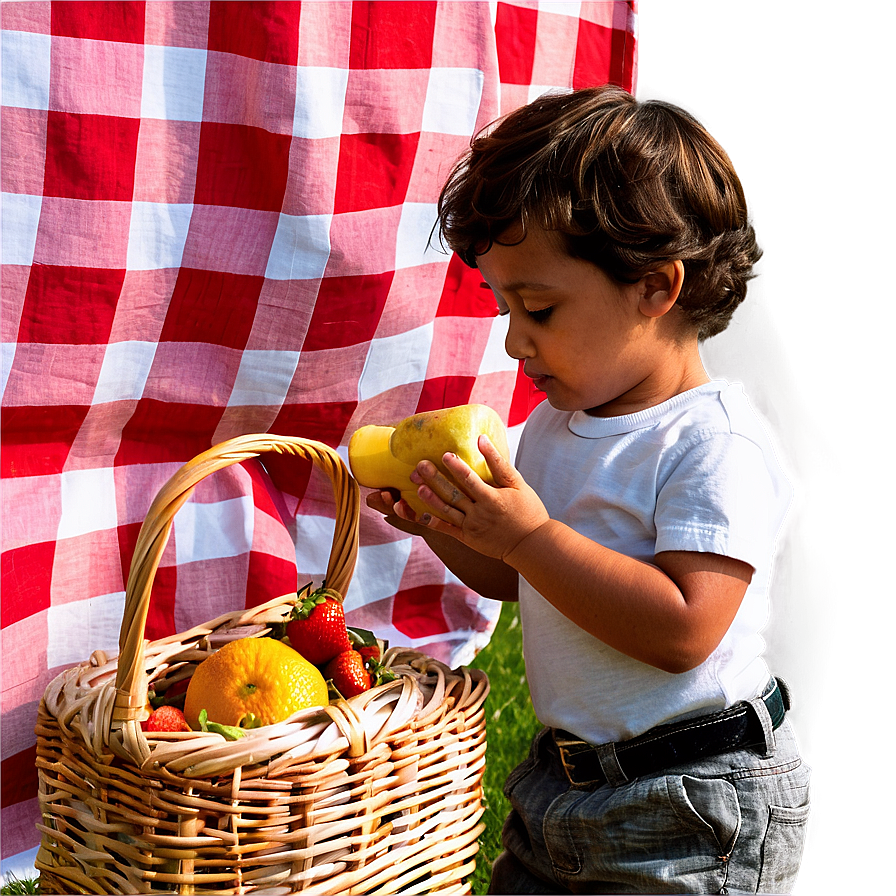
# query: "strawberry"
165 718
317 627
373 656
371 652
348 673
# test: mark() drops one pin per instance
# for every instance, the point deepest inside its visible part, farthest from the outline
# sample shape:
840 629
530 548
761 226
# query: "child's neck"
683 372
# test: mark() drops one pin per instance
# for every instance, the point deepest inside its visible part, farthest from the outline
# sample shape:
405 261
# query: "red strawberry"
371 652
348 673
165 718
317 628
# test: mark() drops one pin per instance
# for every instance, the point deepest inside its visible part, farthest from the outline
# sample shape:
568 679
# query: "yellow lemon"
252 682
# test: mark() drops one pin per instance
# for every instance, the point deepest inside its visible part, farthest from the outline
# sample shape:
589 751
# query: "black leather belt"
665 746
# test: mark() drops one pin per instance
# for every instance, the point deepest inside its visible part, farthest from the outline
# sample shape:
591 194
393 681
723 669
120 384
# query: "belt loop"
609 764
765 720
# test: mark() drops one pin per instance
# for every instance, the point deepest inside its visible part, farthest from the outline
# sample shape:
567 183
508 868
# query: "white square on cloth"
76 629
320 102
301 248
264 378
212 531
157 235
395 361
495 358
18 227
412 242
452 100
126 366
88 502
379 571
173 83
26 70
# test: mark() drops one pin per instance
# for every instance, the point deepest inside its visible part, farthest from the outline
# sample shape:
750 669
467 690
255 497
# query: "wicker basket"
377 794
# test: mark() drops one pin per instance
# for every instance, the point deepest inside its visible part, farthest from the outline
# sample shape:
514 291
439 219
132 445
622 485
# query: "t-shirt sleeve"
721 496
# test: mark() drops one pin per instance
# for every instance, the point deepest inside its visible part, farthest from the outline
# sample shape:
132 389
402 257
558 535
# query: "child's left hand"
492 519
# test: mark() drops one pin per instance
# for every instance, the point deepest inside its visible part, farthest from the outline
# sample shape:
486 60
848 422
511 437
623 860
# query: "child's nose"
517 343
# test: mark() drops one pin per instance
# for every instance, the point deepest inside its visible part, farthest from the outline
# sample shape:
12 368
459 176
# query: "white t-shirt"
695 473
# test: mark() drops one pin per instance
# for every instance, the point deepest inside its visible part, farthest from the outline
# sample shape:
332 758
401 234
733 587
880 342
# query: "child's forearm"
485 575
671 614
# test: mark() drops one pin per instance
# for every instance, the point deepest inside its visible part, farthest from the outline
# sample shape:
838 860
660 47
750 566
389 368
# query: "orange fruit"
252 682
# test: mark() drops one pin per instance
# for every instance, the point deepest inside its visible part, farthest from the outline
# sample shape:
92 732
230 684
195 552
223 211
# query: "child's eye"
540 315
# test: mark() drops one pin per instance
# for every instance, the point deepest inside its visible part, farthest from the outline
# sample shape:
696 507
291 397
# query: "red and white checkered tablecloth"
215 221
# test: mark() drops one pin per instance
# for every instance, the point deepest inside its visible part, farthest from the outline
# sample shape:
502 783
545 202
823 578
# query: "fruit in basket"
317 626
349 674
252 682
165 718
385 456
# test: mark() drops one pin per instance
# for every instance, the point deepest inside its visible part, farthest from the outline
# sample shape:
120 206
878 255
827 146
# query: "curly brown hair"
628 186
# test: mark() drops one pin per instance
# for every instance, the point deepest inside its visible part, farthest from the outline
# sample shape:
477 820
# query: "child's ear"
660 289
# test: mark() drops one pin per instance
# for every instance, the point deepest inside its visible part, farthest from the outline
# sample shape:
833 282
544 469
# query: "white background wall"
800 94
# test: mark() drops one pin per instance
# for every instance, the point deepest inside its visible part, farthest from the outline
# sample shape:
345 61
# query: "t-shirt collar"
582 424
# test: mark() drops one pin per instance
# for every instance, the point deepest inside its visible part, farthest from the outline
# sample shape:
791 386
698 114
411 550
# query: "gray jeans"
733 823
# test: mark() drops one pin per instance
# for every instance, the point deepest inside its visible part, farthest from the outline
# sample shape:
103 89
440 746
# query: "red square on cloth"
347 311
122 22
211 306
37 440
165 431
392 35
465 293
417 612
324 422
374 170
242 166
19 775
601 56
26 572
269 577
90 156
56 301
525 398
161 621
445 392
268 31
516 34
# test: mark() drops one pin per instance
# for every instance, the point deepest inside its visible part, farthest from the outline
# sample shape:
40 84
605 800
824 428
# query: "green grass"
511 727
14 886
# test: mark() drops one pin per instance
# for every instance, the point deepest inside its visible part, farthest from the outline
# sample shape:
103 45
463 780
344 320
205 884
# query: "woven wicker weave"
379 794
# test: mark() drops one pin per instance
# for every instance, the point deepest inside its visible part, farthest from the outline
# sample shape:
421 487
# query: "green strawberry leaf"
361 637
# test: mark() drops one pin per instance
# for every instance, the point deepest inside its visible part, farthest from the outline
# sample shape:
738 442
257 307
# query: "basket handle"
131 685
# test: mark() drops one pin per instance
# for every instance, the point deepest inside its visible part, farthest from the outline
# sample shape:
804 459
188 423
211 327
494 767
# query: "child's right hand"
397 512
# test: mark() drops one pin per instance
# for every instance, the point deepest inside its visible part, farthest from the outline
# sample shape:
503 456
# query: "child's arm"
671 613
485 575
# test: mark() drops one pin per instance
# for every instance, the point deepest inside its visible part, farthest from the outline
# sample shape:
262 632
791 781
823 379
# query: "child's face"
582 336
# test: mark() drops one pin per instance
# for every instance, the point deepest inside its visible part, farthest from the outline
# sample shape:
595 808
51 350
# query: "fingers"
503 472
443 489
397 512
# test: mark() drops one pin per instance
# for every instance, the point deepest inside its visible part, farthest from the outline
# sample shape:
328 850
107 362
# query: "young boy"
638 527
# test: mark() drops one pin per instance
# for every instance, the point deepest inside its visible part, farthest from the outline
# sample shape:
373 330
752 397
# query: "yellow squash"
385 456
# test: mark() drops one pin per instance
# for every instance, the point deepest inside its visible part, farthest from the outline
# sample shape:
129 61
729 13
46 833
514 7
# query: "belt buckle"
570 748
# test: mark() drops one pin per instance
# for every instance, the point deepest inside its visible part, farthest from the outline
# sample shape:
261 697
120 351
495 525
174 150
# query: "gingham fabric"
216 221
